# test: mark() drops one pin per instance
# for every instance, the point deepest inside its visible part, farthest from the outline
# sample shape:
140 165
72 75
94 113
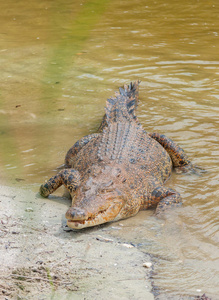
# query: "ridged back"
121 108
121 141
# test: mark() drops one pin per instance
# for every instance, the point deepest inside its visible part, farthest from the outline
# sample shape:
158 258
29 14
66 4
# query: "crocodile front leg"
165 197
77 147
70 178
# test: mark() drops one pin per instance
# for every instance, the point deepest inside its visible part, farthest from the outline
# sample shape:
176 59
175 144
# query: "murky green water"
60 60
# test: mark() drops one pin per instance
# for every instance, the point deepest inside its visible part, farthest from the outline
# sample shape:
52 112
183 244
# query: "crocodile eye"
107 187
106 190
86 188
108 184
117 172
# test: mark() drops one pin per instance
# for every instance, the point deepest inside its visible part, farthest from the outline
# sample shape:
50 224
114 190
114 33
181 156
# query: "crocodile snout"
75 213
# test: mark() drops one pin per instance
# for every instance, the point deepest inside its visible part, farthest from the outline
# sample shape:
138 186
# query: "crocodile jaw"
101 217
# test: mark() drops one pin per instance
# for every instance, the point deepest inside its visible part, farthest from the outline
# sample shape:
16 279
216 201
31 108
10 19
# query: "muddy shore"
41 259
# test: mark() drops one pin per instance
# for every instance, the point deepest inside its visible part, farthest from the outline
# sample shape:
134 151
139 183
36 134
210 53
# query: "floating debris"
147 265
203 297
29 209
103 239
128 245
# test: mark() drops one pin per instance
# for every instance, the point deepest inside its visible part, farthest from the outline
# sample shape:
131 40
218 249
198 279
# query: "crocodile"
121 169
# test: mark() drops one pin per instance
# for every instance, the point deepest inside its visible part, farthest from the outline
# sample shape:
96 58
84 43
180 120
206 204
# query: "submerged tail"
122 107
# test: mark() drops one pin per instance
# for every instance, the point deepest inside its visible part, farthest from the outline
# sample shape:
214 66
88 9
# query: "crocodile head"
100 199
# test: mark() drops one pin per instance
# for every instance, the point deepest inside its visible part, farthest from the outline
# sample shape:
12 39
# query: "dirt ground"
41 259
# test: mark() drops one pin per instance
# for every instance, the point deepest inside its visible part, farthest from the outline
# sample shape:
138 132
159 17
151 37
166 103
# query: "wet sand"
41 259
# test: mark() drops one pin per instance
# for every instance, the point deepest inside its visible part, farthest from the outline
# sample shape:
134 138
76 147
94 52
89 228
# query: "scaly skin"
113 174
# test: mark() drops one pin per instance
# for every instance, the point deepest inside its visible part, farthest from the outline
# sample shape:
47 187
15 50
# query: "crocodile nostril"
75 213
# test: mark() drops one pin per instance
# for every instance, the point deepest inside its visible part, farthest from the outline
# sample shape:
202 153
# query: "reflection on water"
60 61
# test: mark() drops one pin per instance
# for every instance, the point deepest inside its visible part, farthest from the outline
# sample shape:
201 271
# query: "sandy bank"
40 260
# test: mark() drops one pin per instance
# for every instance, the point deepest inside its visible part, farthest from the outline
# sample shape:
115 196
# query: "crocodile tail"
122 107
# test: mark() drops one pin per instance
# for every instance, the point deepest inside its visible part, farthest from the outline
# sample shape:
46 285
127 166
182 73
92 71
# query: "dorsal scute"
119 141
122 107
